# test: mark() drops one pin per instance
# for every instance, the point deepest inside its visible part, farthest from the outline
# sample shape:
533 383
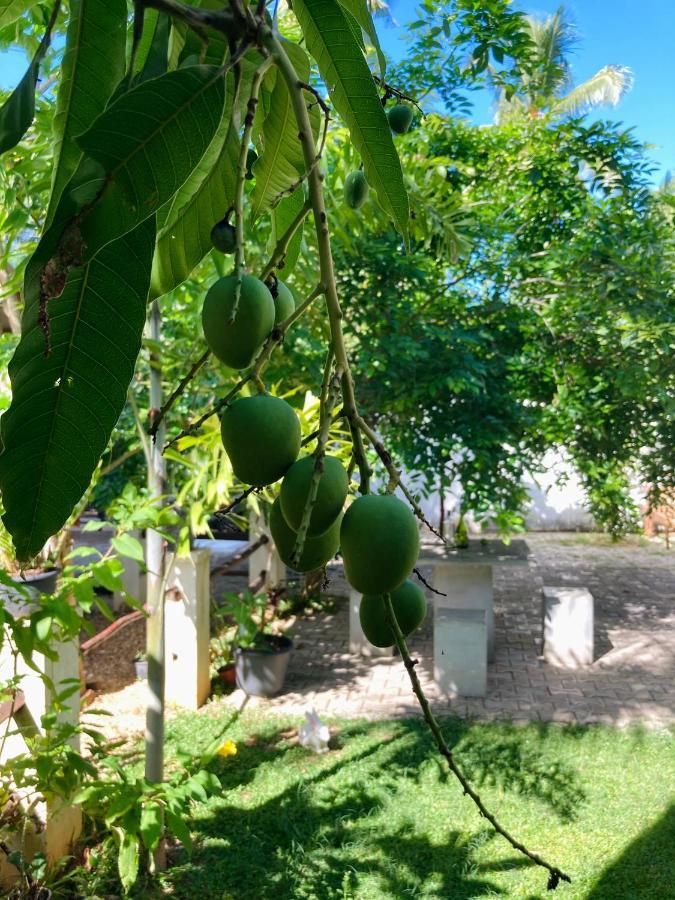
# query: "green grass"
380 817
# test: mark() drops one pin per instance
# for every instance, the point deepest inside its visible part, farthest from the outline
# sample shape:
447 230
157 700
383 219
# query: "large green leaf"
66 403
148 142
185 235
18 111
282 217
93 64
343 67
281 162
359 10
11 10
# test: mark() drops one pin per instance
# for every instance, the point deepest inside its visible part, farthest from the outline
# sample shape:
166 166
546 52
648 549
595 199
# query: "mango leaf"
127 856
153 52
93 64
282 162
65 404
282 216
11 10
152 823
204 199
18 111
344 69
148 142
359 10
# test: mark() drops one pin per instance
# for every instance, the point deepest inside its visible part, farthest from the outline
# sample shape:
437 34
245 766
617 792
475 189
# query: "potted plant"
141 666
40 577
261 653
220 648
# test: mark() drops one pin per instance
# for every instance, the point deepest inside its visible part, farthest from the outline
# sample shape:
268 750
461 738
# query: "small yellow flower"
229 748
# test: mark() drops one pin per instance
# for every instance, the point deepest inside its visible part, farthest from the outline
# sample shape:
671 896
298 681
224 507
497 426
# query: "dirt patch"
110 666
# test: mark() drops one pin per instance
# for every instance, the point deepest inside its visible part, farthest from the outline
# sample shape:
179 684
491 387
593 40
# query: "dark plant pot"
227 674
141 667
261 673
43 582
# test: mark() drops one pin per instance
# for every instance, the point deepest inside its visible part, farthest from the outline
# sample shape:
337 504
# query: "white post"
186 619
265 559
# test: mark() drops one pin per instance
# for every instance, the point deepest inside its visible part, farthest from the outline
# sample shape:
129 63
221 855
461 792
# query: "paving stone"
632 678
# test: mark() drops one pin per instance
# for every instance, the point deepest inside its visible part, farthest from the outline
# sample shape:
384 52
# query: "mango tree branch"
314 180
279 252
555 874
395 476
275 338
251 107
178 392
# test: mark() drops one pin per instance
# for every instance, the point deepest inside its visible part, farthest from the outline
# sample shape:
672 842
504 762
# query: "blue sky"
635 33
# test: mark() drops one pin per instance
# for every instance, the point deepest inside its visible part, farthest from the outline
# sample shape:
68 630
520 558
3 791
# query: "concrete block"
460 651
467 586
187 611
568 626
358 642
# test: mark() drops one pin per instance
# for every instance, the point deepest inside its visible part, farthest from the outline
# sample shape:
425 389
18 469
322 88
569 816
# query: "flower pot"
227 674
39 582
141 667
261 672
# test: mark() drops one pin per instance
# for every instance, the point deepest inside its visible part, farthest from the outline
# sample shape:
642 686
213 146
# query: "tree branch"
556 874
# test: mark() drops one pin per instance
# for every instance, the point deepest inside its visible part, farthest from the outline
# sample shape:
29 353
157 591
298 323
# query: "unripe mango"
400 118
261 436
237 344
356 189
316 551
410 609
284 303
330 497
224 237
380 542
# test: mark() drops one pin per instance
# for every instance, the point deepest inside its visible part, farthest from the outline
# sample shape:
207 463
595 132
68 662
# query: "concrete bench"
568 626
460 651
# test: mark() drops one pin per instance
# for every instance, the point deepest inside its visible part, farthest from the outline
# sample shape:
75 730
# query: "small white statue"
314 733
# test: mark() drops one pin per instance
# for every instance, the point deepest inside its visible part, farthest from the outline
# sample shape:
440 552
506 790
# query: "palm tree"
546 84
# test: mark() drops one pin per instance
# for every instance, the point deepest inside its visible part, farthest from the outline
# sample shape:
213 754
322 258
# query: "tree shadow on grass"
321 833
646 868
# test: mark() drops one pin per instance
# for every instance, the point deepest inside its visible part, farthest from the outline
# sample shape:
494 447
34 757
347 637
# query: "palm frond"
605 88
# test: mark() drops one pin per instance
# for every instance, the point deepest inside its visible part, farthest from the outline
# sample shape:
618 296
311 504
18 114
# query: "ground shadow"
646 868
301 842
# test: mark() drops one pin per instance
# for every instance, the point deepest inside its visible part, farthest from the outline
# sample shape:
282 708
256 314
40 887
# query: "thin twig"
178 392
427 585
278 254
556 874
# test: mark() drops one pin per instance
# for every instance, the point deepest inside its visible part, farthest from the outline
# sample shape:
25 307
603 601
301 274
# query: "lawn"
379 816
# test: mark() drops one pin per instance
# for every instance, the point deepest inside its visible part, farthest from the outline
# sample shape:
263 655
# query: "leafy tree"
151 151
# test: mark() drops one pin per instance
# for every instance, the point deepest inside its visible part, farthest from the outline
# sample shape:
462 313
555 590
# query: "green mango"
317 551
284 303
261 436
400 118
356 189
410 609
330 497
238 343
380 542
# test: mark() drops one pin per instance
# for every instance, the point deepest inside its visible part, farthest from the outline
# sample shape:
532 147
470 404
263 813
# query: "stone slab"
568 626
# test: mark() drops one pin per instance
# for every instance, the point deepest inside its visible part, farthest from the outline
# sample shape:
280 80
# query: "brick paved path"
632 678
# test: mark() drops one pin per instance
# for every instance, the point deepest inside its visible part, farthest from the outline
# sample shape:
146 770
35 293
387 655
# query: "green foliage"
341 63
18 111
53 396
91 68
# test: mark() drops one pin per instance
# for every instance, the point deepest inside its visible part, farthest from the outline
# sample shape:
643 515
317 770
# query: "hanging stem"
556 874
314 182
251 107
279 251
178 392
